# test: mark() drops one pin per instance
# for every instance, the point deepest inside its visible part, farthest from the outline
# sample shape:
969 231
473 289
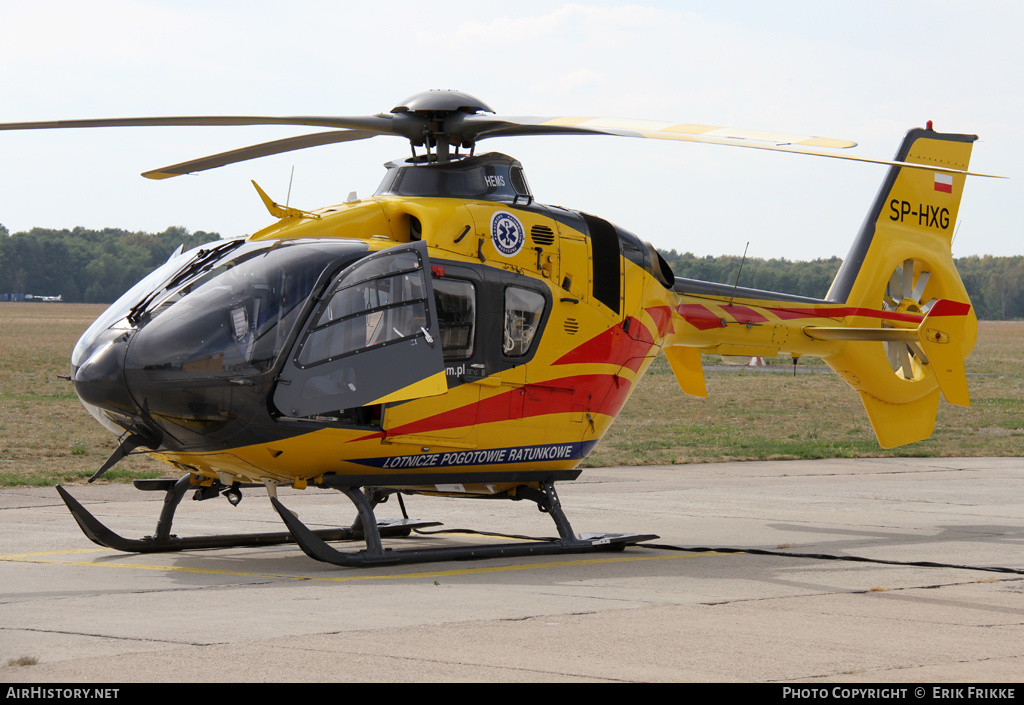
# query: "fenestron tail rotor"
904 293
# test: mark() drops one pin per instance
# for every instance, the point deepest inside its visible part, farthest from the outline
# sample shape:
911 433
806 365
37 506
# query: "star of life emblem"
507 233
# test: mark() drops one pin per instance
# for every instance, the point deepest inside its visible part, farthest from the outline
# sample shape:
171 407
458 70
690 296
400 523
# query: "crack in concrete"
461 663
865 671
154 591
868 591
111 636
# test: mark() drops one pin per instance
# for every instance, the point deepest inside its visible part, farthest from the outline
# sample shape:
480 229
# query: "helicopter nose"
99 380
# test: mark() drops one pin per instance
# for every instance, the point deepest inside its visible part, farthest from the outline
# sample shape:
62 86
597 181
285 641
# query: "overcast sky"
865 71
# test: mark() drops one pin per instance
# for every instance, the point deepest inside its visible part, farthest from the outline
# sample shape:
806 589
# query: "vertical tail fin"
900 265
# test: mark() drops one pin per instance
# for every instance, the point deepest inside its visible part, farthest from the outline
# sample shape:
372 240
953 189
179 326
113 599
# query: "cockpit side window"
523 311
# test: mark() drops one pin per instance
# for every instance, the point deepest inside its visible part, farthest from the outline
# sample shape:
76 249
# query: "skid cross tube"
375 554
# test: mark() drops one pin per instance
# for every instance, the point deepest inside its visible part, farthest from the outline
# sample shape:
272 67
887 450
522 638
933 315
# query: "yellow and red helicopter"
452 336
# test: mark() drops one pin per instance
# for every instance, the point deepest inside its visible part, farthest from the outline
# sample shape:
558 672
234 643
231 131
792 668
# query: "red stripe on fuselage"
613 347
700 317
662 316
703 318
843 312
744 314
600 394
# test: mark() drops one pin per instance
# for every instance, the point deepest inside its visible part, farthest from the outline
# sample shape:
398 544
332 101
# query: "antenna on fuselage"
734 286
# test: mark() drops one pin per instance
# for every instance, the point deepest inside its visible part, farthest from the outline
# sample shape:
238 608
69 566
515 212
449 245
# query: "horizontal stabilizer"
941 337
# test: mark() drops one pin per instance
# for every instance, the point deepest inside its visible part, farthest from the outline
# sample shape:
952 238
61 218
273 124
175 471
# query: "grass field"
47 437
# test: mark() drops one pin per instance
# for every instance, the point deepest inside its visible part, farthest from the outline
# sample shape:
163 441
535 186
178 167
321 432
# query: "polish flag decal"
944 183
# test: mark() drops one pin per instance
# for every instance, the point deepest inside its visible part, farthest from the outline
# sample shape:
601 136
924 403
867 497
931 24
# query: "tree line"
86 266
994 284
97 266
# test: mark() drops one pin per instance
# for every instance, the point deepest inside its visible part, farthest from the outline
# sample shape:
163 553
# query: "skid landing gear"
366 527
163 541
375 554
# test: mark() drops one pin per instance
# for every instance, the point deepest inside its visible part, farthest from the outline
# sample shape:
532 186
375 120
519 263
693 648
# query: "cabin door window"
373 338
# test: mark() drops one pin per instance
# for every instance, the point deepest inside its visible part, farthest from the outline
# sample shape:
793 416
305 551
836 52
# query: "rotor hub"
909 306
445 102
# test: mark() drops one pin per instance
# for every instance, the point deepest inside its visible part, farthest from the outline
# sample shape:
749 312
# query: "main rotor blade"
479 127
498 126
263 149
379 123
459 126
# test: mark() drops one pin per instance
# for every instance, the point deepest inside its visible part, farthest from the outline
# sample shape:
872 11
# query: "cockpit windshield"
230 315
142 293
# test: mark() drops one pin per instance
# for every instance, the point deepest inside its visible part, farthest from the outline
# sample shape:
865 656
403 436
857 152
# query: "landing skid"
375 554
162 541
366 527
